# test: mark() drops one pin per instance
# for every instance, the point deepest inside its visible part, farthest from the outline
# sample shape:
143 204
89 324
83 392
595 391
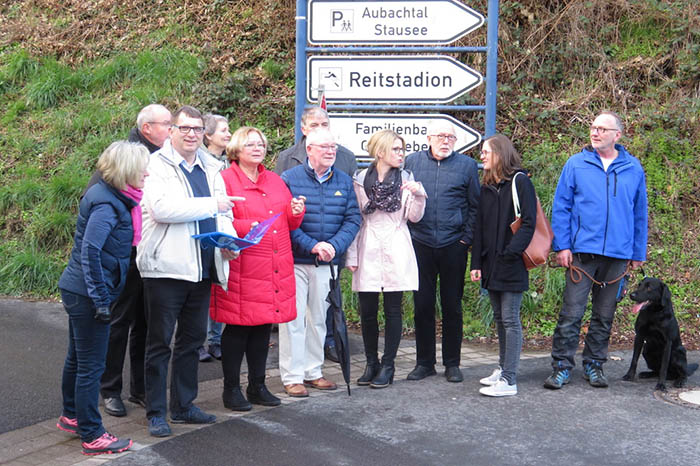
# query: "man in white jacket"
184 196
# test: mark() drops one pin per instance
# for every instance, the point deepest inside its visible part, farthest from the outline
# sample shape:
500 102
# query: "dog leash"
577 274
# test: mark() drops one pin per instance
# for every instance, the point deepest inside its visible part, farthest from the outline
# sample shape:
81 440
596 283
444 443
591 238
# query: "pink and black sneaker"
106 443
67 424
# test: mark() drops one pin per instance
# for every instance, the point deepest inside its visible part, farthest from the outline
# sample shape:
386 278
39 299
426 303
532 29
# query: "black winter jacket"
496 251
452 188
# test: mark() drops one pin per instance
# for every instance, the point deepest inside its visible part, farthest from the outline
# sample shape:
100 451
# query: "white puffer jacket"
170 215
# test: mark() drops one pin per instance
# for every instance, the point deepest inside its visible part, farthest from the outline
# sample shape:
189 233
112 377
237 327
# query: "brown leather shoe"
296 390
321 384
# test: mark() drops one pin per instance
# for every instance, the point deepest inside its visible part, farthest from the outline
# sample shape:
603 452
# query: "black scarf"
383 195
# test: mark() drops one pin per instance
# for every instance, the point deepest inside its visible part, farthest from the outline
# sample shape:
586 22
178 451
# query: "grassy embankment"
73 78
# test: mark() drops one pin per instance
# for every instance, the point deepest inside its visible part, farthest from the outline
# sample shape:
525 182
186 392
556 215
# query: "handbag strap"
516 200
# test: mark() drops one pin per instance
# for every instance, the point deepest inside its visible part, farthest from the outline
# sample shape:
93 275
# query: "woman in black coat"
497 254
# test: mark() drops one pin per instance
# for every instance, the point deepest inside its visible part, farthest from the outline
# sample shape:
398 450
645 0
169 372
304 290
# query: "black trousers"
170 302
450 264
369 308
237 340
128 325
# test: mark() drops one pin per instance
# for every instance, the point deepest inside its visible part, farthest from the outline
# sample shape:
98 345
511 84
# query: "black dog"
657 332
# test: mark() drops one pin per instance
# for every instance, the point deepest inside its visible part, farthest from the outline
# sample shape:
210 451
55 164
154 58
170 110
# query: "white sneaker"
501 388
491 379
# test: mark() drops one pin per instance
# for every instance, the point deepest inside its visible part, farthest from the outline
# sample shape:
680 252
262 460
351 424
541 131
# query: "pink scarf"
136 195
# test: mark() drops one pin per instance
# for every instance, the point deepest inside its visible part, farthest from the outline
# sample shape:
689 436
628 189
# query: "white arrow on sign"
390 21
353 130
389 78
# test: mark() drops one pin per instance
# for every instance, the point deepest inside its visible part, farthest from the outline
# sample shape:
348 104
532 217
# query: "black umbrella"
340 328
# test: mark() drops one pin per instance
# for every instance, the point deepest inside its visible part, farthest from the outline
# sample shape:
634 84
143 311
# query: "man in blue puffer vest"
441 240
599 218
331 221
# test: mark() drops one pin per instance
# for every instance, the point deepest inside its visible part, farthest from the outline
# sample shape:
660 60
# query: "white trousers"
301 340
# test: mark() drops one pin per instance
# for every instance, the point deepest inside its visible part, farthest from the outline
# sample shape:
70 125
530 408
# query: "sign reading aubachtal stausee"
390 22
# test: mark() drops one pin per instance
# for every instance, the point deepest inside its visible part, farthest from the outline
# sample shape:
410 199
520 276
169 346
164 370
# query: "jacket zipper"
607 210
437 200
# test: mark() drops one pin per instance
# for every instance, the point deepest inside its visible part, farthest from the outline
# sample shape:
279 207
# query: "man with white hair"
313 118
441 240
152 127
330 224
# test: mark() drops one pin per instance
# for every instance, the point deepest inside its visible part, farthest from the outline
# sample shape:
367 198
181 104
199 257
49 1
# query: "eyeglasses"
326 147
184 130
164 123
445 137
398 150
253 145
601 130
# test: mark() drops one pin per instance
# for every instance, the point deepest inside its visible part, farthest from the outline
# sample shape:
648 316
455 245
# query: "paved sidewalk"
43 443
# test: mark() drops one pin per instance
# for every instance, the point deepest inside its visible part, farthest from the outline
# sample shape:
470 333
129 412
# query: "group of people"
136 274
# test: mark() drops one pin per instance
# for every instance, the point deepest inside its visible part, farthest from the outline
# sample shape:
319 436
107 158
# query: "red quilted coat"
261 287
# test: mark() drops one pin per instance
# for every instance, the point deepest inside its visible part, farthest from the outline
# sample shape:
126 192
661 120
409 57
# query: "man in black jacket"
128 324
441 240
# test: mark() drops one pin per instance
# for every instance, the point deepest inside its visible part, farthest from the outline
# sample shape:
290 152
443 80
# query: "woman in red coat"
261 288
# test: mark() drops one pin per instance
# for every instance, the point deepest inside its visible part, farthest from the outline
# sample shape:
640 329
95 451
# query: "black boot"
259 394
384 378
371 370
235 401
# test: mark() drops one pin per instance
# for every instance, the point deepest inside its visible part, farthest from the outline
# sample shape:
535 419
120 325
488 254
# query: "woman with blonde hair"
381 257
497 254
109 224
261 287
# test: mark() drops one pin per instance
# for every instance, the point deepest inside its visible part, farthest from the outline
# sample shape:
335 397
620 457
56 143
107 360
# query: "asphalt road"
433 422
409 423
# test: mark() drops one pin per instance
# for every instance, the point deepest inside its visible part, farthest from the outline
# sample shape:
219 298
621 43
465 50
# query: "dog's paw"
660 387
628 377
679 383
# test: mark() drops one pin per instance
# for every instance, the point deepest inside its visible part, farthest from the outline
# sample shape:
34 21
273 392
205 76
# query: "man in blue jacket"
599 218
331 221
441 240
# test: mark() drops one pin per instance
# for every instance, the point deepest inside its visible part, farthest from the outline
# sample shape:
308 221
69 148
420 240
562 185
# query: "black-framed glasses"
445 137
601 130
186 129
398 150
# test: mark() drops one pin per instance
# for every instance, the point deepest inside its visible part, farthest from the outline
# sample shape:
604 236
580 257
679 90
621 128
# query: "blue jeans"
214 330
566 335
85 363
506 314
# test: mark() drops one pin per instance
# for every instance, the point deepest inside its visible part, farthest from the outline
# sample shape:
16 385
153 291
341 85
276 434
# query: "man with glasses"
331 221
313 118
441 240
184 196
599 218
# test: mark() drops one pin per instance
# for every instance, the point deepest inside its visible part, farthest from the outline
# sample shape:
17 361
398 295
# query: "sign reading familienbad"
387 78
390 22
353 130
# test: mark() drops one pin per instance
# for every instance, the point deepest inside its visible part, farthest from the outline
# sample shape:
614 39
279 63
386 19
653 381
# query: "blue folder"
226 241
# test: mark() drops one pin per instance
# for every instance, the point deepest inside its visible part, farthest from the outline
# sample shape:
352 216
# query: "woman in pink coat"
261 288
382 258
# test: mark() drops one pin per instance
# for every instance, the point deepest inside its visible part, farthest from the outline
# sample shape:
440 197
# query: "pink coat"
382 251
261 286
